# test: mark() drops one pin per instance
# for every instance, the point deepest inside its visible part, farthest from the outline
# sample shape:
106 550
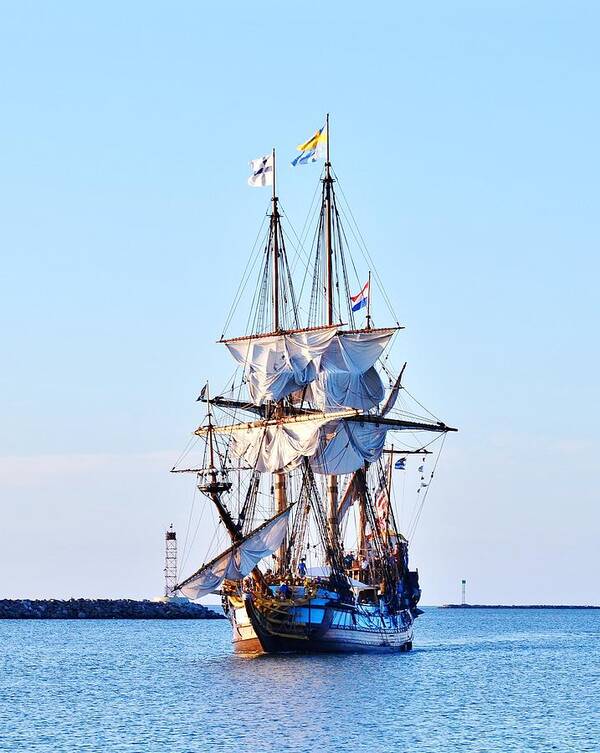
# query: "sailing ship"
297 458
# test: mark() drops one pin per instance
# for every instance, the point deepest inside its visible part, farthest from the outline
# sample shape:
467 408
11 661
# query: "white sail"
392 397
275 446
348 446
334 445
277 365
350 495
337 368
238 561
347 377
269 446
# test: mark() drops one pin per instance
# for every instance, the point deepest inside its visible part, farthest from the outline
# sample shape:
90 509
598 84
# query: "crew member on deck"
284 591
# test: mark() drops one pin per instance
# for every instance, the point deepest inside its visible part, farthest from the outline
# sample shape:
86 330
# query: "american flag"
382 504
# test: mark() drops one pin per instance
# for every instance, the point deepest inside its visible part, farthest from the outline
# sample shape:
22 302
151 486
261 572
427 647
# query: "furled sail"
335 367
239 560
347 376
277 365
348 445
393 396
350 495
336 442
270 446
276 446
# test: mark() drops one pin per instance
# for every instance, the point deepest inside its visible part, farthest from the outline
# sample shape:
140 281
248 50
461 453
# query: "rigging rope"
413 528
244 280
185 551
365 251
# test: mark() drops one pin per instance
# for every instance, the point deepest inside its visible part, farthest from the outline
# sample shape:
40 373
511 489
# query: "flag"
360 300
382 504
400 465
262 172
311 150
202 395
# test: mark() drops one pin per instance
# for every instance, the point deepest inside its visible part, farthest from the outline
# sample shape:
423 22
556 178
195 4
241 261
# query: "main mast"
279 480
332 481
328 239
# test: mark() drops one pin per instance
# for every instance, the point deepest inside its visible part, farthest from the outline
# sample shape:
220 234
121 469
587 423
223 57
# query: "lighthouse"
170 562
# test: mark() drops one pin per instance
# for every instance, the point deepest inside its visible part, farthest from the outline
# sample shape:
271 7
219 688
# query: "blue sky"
466 139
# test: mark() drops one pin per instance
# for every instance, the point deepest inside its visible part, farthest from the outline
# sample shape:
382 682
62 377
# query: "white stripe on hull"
349 640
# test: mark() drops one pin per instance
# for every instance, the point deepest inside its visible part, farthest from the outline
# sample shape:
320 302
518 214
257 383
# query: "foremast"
210 483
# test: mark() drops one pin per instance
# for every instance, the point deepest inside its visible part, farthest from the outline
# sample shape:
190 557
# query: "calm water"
477 681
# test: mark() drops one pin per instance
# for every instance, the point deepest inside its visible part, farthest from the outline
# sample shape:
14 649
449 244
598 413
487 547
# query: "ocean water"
477 680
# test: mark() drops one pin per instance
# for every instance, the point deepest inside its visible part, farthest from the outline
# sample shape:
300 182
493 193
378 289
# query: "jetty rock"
104 609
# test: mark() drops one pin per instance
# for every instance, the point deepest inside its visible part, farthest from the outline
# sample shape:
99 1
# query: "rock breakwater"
104 609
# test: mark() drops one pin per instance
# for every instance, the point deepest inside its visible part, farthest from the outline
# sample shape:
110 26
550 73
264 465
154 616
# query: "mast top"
328 236
274 199
275 239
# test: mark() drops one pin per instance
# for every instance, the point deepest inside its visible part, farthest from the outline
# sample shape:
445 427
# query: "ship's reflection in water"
477 681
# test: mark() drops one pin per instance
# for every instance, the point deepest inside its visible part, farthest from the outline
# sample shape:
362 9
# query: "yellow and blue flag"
311 150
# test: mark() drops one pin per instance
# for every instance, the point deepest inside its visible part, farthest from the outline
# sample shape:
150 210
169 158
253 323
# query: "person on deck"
284 591
302 568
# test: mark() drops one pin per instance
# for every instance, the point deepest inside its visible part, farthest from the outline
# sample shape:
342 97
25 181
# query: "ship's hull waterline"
318 628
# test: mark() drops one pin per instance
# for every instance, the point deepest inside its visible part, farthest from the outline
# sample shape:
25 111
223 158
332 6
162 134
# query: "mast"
211 449
214 488
369 302
328 239
279 479
332 481
275 234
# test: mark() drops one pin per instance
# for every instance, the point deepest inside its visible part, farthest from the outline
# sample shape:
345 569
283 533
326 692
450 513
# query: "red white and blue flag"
361 299
382 504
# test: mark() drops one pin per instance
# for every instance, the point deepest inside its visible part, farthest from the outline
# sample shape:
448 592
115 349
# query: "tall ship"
300 452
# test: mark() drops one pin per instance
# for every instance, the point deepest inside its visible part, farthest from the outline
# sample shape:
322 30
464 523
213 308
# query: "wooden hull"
245 640
248 646
319 628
